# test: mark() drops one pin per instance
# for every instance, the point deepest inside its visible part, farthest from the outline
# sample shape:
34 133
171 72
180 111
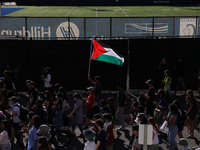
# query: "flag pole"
90 57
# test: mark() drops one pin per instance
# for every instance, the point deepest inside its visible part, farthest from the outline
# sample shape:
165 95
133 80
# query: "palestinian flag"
102 52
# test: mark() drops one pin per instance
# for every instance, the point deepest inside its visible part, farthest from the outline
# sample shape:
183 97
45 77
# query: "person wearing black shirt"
120 106
150 97
59 112
39 110
181 72
33 95
101 137
112 108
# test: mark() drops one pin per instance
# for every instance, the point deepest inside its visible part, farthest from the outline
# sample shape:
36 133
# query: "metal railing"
101 28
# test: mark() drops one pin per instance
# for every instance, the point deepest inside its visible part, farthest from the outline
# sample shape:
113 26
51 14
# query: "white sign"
187 27
66 30
148 134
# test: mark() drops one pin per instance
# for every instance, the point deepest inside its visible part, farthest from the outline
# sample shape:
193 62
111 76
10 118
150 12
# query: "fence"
69 61
100 28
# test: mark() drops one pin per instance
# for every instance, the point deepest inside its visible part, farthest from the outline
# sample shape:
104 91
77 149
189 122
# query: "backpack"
23 113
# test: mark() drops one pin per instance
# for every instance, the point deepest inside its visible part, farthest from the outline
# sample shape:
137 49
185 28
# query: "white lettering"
47 32
26 32
4 31
35 31
38 31
17 31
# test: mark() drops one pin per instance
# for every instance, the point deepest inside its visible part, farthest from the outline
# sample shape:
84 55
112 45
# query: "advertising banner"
100 28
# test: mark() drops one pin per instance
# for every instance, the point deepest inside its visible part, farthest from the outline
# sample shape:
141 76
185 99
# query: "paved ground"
124 136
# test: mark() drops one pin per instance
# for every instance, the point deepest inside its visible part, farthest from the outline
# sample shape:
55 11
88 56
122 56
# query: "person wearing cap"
97 87
90 100
183 144
150 97
15 114
120 105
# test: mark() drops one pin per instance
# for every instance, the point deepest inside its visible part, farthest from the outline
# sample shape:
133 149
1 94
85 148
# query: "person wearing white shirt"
155 142
89 136
15 114
47 78
5 136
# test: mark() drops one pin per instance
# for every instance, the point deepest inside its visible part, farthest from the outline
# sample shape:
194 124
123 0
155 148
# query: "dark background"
69 61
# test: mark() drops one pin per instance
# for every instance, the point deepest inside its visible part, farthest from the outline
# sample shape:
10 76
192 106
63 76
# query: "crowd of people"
52 107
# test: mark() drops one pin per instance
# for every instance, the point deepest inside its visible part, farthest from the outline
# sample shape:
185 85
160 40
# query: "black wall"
69 61
145 56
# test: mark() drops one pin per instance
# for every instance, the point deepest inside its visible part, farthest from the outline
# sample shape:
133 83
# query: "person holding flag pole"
105 53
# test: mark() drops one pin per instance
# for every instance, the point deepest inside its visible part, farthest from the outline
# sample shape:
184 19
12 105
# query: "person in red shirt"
90 100
108 127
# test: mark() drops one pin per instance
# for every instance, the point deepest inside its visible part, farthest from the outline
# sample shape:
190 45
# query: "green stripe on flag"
109 59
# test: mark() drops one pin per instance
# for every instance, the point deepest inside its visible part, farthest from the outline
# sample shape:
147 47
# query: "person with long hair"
65 105
56 87
32 132
172 119
154 146
162 105
47 78
78 114
43 144
5 136
48 106
64 91
191 110
182 113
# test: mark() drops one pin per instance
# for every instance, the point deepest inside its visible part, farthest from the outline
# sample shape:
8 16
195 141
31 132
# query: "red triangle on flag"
98 49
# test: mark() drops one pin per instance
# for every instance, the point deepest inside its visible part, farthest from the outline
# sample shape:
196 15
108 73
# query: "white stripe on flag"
110 52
